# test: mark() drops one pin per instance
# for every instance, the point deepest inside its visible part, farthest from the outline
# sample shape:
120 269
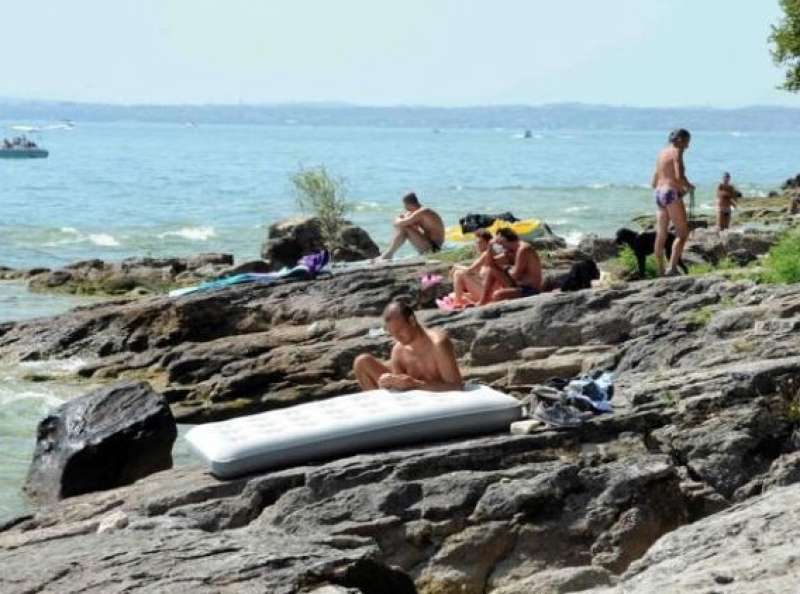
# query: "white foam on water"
572 209
103 239
367 206
192 233
56 366
49 400
573 238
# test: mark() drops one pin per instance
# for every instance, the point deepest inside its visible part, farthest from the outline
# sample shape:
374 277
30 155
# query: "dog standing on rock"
644 244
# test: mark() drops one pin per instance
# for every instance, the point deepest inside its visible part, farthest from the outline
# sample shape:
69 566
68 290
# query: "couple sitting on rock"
506 268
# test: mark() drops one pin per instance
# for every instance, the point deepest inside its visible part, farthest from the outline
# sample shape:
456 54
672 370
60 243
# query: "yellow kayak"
526 229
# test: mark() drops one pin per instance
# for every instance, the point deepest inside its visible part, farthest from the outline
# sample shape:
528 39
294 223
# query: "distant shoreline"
540 117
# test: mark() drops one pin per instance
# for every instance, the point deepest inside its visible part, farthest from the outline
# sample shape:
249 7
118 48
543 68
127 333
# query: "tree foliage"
324 196
785 39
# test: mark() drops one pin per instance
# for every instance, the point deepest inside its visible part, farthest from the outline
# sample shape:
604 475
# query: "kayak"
527 229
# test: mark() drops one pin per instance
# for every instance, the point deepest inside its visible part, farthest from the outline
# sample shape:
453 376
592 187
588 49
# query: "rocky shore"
692 484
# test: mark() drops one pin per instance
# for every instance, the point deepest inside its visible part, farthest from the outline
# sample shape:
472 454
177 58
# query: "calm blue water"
118 190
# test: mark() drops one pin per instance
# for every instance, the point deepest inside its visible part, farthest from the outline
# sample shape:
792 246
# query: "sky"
649 53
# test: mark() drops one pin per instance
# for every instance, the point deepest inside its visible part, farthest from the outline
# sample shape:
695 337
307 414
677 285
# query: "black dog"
581 276
644 244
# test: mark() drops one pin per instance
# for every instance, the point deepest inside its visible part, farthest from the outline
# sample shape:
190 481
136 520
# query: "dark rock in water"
107 438
291 239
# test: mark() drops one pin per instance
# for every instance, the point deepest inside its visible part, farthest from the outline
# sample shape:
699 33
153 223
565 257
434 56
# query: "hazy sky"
434 52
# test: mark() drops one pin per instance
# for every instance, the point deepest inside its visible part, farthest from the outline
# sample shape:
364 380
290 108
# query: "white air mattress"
348 424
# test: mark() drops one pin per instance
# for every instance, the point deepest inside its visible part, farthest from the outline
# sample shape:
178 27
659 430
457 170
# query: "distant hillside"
560 116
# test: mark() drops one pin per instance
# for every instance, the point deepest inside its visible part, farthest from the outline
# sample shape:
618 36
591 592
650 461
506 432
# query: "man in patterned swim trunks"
670 185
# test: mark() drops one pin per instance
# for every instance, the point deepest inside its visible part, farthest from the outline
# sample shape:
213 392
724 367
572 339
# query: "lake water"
113 190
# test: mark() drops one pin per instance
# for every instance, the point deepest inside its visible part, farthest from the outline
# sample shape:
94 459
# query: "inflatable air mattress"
348 424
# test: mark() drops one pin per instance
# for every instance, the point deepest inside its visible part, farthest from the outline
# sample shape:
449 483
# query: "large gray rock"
107 438
751 548
291 239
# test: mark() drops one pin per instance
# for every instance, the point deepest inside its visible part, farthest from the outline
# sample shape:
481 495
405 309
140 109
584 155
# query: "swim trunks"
665 196
725 211
435 247
527 290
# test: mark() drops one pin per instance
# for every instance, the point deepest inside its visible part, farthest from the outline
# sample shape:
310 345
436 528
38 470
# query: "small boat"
527 134
21 148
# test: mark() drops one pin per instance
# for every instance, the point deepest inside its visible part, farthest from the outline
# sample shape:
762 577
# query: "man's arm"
654 179
680 172
446 364
413 218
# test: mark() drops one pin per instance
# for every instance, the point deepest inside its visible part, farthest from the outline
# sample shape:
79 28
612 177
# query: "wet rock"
105 439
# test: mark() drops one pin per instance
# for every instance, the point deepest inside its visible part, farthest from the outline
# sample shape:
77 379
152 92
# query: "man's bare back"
527 269
429 223
669 173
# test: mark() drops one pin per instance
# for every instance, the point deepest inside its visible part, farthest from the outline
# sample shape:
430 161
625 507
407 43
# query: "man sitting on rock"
420 225
421 359
522 278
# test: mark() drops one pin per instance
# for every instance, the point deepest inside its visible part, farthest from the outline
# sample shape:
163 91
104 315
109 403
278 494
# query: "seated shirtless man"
522 278
421 359
420 225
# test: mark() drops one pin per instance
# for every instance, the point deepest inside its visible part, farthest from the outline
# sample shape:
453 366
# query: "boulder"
546 240
748 549
107 438
598 248
743 245
356 245
291 239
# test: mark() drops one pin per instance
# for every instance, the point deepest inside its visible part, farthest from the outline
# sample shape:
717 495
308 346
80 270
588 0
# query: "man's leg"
506 294
662 225
368 370
418 239
398 240
677 212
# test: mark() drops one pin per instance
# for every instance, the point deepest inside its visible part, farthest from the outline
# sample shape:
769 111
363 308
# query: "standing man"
669 185
420 225
522 278
726 200
421 359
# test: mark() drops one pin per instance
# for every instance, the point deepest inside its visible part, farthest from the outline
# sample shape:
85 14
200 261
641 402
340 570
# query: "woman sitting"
468 281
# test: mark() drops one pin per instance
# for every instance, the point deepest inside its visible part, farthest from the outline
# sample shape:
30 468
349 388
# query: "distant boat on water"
21 148
527 134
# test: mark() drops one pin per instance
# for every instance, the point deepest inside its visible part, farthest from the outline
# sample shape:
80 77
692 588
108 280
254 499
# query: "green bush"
627 260
321 194
782 264
706 268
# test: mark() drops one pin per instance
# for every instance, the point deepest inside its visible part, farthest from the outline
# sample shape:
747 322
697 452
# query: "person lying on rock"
519 275
421 359
420 225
